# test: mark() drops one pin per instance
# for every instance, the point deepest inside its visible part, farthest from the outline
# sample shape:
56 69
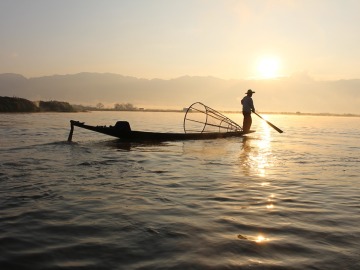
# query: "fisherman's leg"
247 122
244 121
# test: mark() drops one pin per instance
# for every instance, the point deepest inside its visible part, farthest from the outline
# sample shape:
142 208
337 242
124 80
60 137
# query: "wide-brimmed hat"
250 92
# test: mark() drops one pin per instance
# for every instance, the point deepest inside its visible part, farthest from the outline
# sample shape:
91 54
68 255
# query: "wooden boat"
131 135
200 123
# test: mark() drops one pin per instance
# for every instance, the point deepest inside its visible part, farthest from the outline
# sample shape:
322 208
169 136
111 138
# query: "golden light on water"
257 239
261 239
264 146
270 200
256 156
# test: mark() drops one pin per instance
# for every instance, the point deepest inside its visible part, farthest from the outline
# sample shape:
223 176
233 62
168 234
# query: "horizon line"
293 76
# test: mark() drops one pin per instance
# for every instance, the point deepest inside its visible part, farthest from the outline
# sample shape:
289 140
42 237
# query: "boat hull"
130 135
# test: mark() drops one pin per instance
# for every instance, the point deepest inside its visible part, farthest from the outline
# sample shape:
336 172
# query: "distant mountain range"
281 95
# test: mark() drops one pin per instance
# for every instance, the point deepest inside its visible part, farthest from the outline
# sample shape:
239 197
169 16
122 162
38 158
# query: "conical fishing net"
200 118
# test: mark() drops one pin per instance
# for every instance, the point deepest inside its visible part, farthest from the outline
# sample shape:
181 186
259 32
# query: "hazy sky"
168 38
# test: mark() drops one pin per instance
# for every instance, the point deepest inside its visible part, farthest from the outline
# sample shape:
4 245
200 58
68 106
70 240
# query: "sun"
268 67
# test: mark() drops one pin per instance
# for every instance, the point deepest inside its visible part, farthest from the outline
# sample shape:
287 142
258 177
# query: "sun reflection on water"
270 202
261 239
256 156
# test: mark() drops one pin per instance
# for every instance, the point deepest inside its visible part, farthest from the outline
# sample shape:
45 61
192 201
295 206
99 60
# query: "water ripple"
268 201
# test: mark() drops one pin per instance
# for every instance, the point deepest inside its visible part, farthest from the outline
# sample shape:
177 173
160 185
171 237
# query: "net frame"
208 120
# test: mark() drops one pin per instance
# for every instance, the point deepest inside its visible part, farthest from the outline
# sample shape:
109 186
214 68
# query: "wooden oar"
270 124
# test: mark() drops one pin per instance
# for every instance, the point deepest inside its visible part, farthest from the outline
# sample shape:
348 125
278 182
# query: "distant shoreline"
181 111
21 105
314 114
278 113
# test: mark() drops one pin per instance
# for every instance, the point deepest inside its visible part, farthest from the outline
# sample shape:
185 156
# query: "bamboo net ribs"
200 118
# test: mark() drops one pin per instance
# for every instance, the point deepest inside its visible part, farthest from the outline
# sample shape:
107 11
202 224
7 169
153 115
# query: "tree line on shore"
16 104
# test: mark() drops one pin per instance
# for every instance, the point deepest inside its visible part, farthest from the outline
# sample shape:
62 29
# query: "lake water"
265 201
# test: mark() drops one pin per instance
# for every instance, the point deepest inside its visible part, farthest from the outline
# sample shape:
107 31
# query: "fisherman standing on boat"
247 108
